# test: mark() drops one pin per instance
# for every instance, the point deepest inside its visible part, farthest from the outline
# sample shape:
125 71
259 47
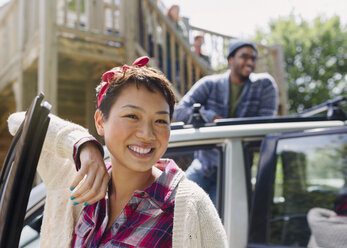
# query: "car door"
19 169
184 155
297 172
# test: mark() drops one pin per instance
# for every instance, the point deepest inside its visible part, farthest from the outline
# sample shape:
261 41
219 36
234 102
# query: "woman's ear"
99 122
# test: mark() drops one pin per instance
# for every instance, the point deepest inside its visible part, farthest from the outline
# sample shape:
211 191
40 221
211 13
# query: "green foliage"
73 5
315 58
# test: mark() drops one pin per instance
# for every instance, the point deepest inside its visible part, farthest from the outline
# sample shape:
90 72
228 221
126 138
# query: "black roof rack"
334 112
332 107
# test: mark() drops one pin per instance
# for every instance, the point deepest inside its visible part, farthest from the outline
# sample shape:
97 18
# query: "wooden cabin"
62 47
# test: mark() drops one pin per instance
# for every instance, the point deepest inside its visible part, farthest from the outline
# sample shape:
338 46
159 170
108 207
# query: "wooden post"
164 49
90 108
155 37
146 24
129 21
197 73
18 85
173 59
66 9
278 59
182 81
95 15
113 8
189 72
78 13
48 64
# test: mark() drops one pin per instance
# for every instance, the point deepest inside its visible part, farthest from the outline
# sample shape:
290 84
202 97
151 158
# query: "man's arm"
269 98
199 93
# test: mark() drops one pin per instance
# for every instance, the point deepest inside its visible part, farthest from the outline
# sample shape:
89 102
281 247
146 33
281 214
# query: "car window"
186 155
30 237
310 172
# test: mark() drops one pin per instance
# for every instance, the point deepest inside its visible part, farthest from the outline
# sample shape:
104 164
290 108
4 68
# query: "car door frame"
19 170
263 192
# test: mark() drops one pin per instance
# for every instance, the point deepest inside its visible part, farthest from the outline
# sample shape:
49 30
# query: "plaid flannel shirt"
146 220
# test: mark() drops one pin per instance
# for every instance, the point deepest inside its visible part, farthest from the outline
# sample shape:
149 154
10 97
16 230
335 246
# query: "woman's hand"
91 182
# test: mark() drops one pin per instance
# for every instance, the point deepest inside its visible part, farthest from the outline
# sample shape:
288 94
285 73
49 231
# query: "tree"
315 58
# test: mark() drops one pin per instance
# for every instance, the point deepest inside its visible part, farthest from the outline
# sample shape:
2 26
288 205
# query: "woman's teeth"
140 149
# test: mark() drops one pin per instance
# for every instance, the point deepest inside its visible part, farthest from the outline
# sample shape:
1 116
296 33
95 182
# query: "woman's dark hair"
150 78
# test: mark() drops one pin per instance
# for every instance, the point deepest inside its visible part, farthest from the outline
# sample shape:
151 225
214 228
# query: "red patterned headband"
108 76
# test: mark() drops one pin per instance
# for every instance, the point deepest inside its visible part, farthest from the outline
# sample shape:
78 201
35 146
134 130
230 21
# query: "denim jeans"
207 183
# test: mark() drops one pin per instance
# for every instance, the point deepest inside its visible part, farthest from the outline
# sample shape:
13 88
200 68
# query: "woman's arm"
60 141
61 135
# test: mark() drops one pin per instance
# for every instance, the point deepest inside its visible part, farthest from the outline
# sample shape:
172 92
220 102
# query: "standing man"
237 93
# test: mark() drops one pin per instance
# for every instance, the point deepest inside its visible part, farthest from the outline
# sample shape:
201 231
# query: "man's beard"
242 77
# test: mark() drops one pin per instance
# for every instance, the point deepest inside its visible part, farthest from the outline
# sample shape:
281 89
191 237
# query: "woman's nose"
146 131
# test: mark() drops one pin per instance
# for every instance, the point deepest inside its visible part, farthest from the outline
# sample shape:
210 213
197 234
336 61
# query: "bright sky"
241 17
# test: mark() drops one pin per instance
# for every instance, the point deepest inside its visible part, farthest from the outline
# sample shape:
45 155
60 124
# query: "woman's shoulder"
196 218
191 192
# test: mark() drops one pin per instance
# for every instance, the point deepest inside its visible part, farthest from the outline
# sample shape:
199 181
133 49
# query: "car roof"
246 130
312 118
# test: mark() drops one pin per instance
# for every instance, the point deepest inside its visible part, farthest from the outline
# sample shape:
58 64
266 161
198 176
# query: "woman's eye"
162 121
131 116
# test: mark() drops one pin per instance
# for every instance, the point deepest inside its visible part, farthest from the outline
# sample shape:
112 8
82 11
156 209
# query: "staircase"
62 47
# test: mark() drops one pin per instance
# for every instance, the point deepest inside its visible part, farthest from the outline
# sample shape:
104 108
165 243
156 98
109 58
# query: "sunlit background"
241 18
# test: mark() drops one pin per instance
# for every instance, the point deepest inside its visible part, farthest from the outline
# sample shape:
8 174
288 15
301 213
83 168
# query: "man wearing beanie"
237 93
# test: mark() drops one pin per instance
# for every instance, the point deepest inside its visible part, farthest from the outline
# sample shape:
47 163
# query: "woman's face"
174 13
137 130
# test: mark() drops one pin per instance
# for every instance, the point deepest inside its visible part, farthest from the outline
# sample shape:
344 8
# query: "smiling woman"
141 128
134 110
148 202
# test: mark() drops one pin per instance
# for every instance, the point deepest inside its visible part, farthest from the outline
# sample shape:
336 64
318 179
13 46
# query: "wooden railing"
215 46
97 21
9 35
140 26
172 52
22 24
270 59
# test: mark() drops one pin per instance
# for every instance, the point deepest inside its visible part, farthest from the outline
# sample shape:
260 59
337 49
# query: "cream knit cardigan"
196 221
328 229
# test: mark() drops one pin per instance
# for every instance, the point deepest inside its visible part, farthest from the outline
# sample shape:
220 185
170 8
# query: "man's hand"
217 117
91 182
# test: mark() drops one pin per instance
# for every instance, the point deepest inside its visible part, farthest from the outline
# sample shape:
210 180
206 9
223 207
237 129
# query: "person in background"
329 228
236 93
196 47
146 201
173 14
